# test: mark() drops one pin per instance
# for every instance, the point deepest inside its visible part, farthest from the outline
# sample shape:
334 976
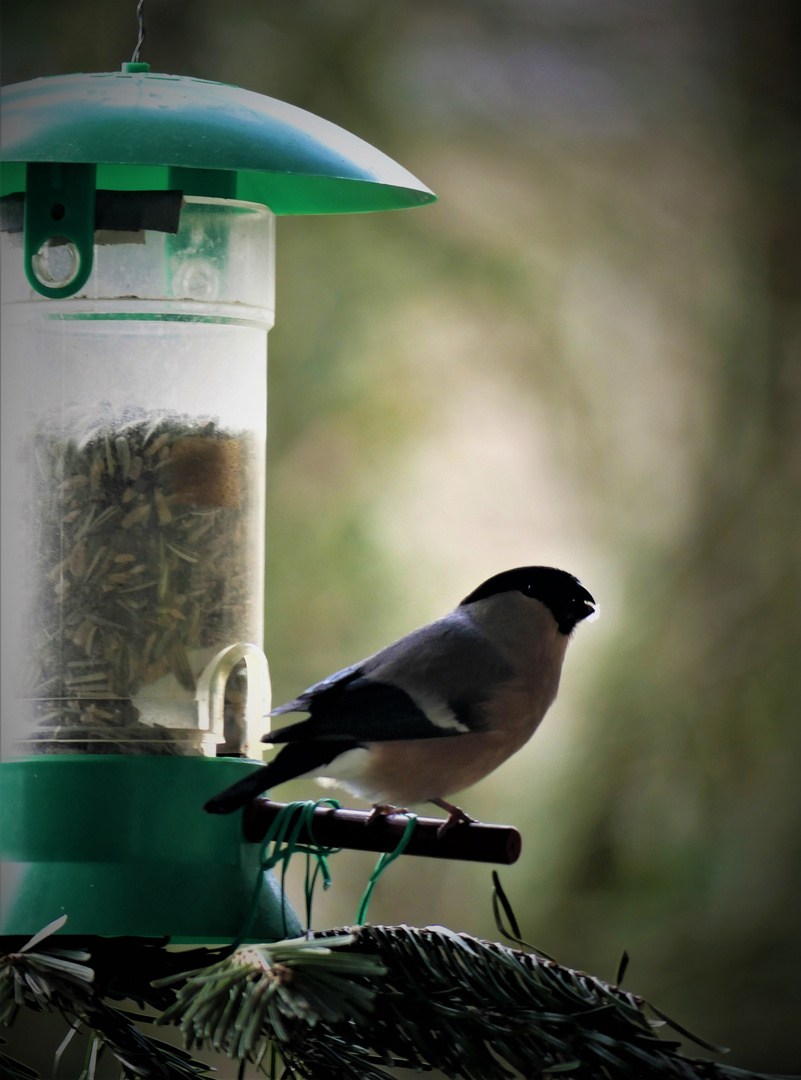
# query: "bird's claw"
456 816
381 810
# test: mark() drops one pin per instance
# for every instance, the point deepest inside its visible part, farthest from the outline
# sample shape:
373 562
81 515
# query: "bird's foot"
456 816
384 810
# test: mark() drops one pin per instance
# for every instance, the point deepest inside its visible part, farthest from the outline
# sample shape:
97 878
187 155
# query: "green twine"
381 865
284 835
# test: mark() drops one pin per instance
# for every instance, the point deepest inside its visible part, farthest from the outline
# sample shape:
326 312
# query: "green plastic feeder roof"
136 125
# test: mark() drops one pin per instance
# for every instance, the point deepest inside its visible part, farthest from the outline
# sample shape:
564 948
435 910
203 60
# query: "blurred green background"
586 355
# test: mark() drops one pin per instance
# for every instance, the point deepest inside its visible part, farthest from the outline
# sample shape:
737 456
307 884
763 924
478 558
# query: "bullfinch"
439 709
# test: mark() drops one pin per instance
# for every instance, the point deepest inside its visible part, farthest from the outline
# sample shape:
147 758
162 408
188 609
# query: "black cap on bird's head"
563 595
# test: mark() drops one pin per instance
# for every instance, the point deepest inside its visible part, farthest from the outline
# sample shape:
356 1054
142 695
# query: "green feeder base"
122 846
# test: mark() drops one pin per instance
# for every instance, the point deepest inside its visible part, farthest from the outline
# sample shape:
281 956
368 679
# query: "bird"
439 709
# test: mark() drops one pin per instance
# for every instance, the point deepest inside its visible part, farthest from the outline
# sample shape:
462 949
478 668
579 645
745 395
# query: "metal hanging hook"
140 19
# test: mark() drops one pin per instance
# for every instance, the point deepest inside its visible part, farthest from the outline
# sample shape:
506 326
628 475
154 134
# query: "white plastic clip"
210 696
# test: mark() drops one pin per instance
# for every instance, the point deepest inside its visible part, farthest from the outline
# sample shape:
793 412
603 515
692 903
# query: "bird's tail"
296 759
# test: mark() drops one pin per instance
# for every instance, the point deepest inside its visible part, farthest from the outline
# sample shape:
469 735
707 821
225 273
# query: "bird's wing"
296 759
429 684
302 701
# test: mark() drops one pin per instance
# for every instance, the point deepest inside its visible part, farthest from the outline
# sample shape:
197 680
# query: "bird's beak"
586 604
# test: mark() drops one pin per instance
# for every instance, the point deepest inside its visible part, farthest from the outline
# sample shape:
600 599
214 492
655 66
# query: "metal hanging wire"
140 19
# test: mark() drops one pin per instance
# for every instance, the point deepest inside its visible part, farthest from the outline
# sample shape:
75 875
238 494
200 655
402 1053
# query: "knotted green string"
283 835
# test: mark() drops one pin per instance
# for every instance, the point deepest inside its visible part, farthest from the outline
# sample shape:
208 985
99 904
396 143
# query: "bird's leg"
456 816
384 810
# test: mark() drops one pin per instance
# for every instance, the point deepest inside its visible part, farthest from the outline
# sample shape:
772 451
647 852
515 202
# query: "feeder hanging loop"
140 20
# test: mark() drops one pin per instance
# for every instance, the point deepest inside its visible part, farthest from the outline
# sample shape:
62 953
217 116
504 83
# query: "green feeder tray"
121 845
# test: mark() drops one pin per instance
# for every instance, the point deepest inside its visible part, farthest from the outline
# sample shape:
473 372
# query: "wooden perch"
353 829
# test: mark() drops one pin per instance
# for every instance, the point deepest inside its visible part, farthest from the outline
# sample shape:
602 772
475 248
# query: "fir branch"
345 1004
476 1009
265 993
47 979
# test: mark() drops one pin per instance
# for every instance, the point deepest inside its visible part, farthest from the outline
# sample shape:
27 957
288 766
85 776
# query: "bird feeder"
138 216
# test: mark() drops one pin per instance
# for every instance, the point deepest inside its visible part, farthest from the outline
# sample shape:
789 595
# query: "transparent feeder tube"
133 478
